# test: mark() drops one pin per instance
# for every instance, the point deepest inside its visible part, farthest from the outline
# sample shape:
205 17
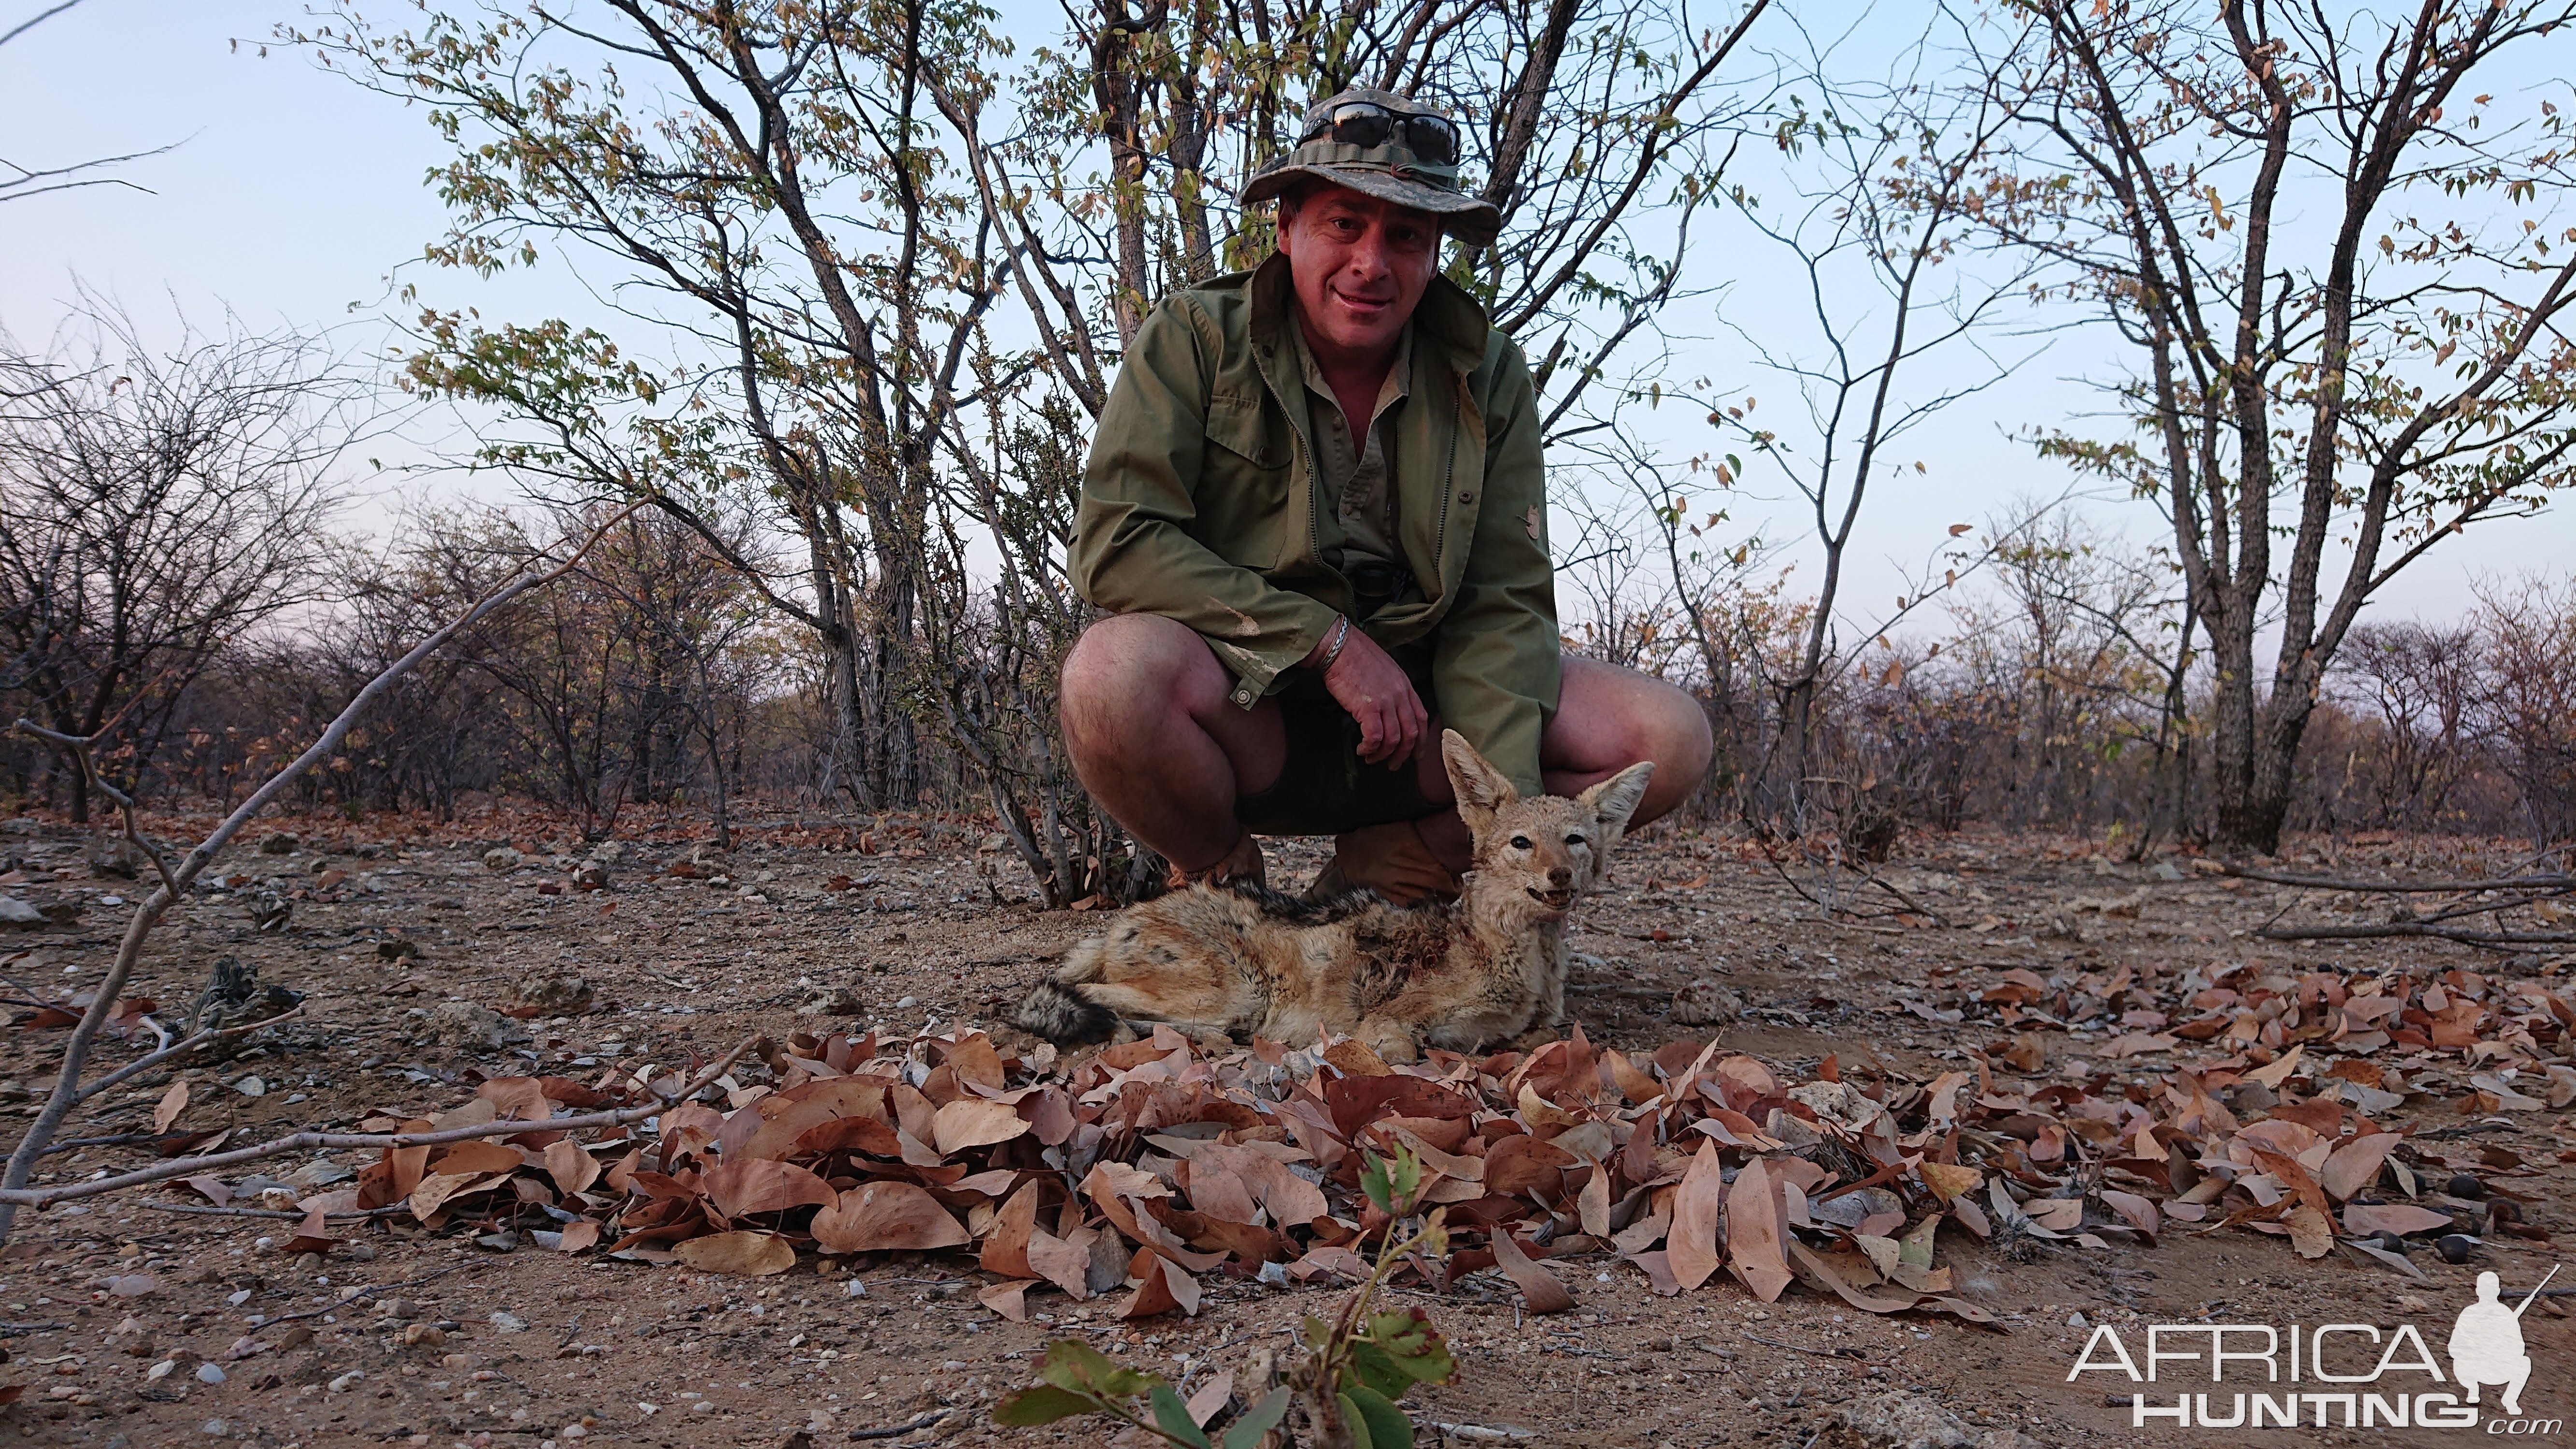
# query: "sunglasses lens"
1362 126
1434 139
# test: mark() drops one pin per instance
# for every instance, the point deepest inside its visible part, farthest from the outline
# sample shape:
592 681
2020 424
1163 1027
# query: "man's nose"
1368 255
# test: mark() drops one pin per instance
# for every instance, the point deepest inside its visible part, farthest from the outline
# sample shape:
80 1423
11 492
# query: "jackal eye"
1520 842
1574 840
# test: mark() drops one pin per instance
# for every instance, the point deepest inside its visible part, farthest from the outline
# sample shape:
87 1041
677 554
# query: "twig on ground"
2557 883
1503 1433
21 1330
893 1431
67 1091
210 1210
42 1197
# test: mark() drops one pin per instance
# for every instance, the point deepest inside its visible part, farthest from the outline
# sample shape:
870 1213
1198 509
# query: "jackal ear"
1615 799
1481 788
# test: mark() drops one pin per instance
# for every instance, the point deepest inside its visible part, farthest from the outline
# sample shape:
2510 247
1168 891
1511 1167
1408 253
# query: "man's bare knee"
1129 666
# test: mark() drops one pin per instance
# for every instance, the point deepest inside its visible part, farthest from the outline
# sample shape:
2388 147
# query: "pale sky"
294 198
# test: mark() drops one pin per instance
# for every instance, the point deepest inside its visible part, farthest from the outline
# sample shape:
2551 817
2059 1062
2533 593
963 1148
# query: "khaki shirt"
1356 509
1203 501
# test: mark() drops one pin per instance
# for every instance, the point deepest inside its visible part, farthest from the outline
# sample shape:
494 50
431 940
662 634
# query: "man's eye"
1520 842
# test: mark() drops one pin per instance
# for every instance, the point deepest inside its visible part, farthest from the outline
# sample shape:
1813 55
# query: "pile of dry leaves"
1148 1166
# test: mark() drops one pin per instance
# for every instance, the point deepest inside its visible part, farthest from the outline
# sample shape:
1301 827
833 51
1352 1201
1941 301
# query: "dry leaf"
1540 1288
1755 1233
1008 1299
1165 1286
741 1254
2310 1232
759 1185
1948 1179
173 1102
1593 1205
1691 1244
881 1216
2355 1165
478 1156
1006 1246
1065 1261
974 1122
2274 1075
2403 1219
572 1169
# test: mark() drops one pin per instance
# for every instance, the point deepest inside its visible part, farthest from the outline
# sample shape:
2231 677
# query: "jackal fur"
1229 962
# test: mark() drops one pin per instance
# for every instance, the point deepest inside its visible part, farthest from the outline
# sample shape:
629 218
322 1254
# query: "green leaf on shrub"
1258 1420
1387 1426
1173 1418
1042 1404
1410 1346
1079 1368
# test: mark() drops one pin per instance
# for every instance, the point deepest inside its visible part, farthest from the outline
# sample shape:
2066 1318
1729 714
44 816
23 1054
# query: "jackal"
1228 962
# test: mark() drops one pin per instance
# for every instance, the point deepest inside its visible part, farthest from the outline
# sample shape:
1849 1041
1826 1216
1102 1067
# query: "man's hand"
1369 684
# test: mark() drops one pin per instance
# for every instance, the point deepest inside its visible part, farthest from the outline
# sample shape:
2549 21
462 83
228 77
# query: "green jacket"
1199 503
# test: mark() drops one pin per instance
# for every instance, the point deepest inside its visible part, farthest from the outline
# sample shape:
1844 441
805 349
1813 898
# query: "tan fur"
1228 962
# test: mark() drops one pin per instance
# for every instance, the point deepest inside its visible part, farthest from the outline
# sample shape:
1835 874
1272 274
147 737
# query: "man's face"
1360 266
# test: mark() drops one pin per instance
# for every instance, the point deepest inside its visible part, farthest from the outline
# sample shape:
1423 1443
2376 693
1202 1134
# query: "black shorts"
1325 788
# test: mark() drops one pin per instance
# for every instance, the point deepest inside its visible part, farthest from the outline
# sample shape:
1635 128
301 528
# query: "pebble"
209 1374
341 1384
216 1427
507 1321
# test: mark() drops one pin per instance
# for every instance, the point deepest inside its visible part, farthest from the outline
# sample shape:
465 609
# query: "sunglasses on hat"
1367 124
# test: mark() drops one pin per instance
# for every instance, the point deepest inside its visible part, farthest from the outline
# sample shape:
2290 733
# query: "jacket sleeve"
1132 549
1497 668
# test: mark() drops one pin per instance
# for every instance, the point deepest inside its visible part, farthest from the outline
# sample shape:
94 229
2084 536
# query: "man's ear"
1615 799
1481 788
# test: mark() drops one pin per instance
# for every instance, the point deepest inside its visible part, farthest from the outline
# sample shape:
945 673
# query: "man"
1316 509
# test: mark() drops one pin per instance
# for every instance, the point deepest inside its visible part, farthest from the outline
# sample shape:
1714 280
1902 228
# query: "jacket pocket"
1244 499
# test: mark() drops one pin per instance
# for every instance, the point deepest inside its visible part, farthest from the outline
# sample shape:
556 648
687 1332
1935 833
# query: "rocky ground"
430 957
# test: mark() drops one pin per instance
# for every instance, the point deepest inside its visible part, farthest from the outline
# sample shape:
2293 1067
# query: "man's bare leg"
1607 719
1159 745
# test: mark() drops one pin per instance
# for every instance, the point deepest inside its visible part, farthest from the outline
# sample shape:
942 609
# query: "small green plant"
1343 1393
1078 1379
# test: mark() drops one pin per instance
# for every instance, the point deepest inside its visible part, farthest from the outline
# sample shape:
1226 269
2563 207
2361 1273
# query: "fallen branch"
178 1167
2560 884
210 1210
2460 934
67 1092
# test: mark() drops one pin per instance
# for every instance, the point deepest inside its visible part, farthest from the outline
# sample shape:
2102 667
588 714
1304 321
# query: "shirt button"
1243 696
1467 496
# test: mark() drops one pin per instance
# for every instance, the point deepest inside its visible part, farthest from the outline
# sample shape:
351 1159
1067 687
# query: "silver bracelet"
1333 651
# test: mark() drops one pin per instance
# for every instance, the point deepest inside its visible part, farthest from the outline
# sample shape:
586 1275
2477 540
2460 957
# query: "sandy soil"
533 1348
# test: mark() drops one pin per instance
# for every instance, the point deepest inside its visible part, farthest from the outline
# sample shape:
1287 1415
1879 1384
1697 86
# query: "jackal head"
1534 856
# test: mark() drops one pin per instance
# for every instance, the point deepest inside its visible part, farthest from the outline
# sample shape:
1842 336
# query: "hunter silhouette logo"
2486 1343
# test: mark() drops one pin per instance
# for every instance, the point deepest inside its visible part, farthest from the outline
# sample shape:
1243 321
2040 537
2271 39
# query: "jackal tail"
1061 1013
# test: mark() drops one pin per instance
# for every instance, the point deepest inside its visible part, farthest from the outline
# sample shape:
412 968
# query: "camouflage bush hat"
1378 143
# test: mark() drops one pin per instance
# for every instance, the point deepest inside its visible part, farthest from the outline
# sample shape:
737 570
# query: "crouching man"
1316 509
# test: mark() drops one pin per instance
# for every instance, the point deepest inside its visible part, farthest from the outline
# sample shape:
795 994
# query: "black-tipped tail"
1061 1014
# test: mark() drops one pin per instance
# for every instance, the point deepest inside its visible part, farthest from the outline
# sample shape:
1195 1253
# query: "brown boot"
1243 863
1388 859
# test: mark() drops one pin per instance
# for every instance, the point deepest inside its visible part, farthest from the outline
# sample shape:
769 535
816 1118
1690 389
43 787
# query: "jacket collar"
1447 318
